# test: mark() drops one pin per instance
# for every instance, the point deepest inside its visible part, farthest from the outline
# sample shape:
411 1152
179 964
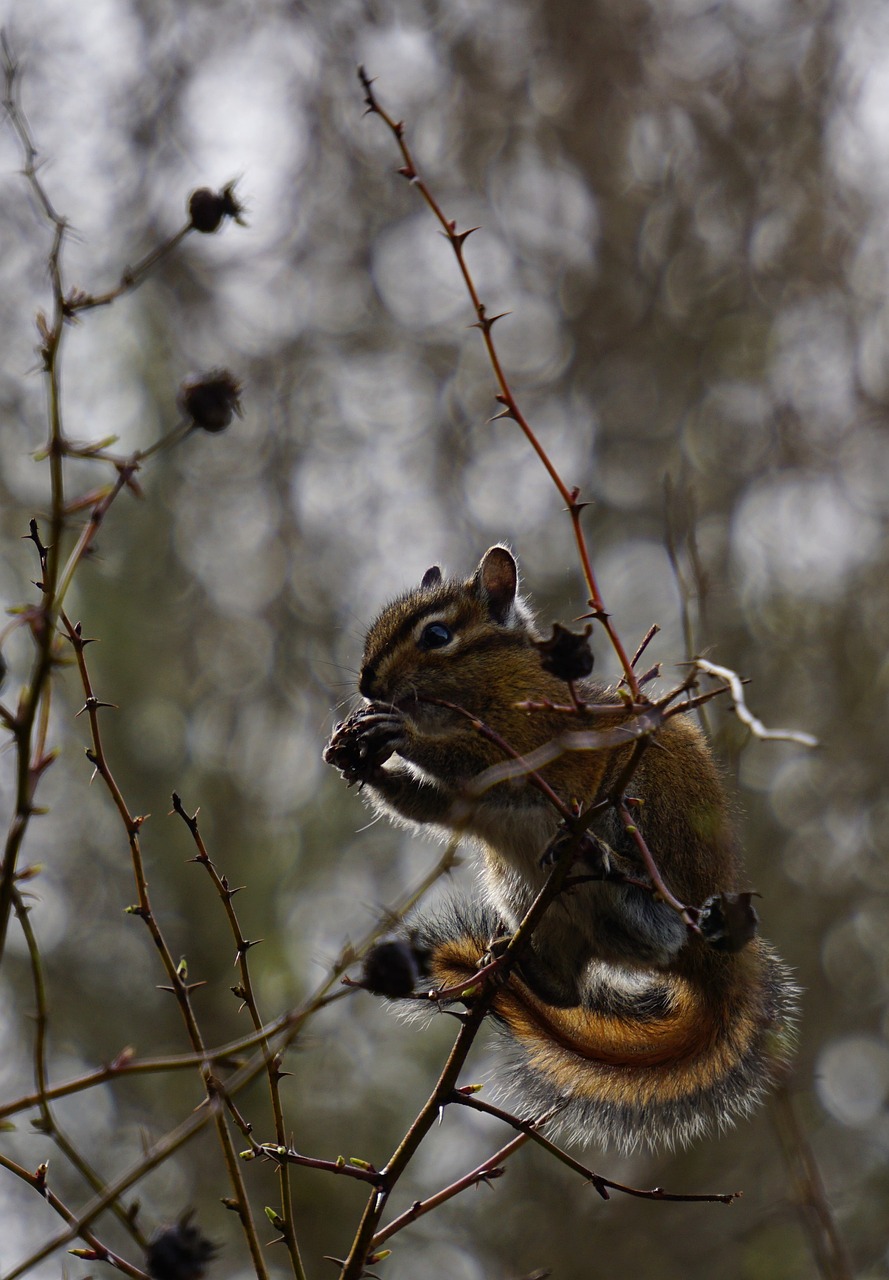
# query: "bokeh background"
685 208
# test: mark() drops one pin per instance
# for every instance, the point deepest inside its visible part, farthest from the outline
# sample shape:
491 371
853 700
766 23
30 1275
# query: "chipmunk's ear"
431 578
497 580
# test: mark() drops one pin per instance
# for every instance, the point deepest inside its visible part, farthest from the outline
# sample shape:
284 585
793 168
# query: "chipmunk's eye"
435 635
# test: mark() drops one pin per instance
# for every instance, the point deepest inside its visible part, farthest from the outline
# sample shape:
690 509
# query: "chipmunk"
645 1031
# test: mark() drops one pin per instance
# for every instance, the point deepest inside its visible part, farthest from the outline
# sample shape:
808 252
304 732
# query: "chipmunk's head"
445 635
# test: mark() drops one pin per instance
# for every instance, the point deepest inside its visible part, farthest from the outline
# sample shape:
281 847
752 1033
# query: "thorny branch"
277 1033
29 723
177 975
101 1253
274 1037
505 396
32 717
273 1061
48 1122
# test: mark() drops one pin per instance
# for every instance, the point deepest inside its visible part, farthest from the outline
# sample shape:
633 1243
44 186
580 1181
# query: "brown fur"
682 1035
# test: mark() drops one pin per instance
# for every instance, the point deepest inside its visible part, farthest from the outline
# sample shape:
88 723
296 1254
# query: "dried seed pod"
566 654
208 208
211 399
179 1252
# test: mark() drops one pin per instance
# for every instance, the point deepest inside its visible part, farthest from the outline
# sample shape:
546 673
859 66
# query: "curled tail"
651 1059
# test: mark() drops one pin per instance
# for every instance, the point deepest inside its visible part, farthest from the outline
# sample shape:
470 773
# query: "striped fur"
648 1035
652 1061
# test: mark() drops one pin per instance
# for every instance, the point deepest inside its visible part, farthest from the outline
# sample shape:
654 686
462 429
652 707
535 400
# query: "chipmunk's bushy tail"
647 1059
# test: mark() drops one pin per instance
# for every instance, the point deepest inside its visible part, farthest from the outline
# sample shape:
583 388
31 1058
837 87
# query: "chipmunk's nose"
367 681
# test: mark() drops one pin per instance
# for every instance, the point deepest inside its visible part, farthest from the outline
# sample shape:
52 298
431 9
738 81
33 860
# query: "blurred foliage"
683 207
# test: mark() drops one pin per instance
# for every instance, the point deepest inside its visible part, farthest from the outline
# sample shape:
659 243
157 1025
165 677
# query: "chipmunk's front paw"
360 745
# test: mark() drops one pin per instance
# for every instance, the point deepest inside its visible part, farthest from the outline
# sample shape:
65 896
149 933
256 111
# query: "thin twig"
130 278
602 1185
48 1123
642 722
360 1171
743 712
485 1172
831 1255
